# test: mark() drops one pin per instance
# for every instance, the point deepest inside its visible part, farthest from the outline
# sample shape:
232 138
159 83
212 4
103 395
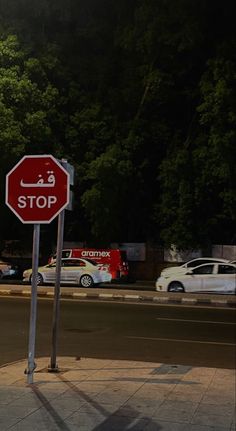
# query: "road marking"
181 341
194 321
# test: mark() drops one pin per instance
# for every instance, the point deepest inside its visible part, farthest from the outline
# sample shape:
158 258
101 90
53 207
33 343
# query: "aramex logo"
91 253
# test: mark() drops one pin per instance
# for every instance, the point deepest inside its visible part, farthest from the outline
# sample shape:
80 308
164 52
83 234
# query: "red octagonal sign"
37 189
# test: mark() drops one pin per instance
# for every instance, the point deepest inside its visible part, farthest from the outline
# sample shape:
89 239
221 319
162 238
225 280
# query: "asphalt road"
194 336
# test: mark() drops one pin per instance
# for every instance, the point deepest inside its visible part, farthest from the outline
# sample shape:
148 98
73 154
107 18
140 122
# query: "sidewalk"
106 395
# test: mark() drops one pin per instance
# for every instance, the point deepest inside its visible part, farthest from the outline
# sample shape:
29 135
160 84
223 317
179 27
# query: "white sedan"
210 277
192 264
73 271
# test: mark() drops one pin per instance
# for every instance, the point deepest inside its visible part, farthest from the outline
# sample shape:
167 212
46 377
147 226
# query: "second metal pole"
53 364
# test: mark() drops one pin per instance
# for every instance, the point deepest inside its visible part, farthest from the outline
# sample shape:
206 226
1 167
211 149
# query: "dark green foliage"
139 96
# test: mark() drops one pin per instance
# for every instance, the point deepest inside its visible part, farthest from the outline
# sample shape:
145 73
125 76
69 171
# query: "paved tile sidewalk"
106 395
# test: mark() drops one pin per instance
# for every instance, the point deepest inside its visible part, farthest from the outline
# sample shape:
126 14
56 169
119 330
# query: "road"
197 336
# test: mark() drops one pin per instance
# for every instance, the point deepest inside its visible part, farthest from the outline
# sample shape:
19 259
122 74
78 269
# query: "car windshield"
194 263
197 262
92 262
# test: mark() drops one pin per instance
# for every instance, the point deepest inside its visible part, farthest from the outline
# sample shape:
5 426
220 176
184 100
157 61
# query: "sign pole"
33 310
37 190
60 233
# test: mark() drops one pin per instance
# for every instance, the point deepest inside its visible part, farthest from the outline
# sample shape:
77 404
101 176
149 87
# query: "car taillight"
103 267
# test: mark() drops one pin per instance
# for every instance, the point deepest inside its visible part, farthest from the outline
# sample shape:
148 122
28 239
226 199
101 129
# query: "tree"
125 91
28 108
215 152
198 204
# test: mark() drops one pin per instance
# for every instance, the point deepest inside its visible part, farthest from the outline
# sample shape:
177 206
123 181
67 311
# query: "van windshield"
66 253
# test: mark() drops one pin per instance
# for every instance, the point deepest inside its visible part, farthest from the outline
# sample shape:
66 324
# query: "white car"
73 271
209 277
191 264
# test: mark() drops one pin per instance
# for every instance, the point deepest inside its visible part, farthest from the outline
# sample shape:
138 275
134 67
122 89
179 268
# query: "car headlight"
162 278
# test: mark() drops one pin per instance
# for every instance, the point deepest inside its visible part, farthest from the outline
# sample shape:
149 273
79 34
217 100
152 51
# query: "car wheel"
175 286
39 279
86 281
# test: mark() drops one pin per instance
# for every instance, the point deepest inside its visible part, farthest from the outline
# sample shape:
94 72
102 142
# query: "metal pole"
53 365
33 310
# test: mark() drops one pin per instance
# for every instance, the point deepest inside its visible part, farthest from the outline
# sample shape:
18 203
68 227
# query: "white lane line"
193 321
181 341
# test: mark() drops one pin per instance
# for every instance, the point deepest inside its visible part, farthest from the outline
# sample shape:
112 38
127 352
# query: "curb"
134 298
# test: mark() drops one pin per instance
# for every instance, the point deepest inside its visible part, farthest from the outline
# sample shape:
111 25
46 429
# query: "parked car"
73 271
209 277
114 259
7 269
192 264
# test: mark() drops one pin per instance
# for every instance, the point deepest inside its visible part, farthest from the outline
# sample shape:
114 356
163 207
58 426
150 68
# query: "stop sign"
37 189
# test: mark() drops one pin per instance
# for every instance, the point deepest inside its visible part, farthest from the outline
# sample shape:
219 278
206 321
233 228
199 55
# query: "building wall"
157 258
149 263
224 251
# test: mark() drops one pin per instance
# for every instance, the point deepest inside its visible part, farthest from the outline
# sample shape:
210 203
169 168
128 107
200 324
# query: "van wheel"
39 279
175 286
86 281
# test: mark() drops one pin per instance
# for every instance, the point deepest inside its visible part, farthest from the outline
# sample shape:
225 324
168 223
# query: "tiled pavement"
106 395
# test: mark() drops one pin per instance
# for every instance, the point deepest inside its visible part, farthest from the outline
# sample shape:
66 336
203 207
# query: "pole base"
53 369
